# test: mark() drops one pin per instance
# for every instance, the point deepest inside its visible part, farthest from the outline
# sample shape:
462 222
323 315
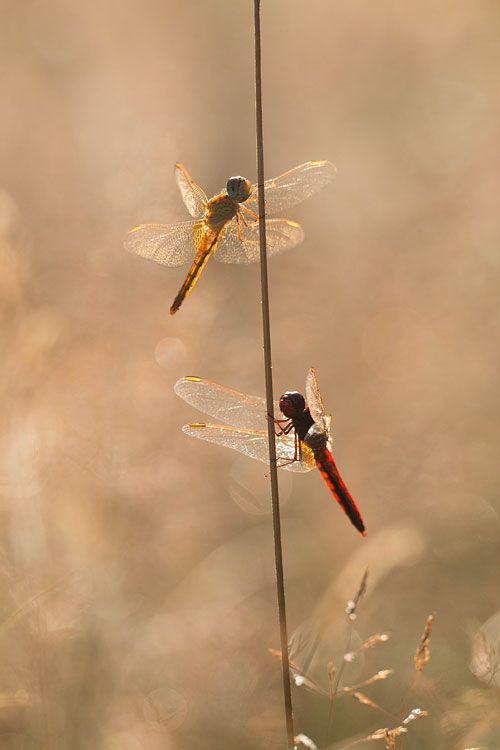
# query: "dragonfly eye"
292 404
238 188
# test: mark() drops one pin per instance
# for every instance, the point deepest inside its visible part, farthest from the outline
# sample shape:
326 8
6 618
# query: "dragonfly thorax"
316 438
238 188
219 211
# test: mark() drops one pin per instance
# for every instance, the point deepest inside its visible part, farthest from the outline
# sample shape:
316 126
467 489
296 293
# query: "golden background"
136 564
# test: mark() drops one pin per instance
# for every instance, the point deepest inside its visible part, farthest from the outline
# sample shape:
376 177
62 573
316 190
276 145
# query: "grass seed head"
422 654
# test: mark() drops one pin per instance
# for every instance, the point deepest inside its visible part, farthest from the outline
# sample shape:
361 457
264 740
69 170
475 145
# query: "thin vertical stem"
280 582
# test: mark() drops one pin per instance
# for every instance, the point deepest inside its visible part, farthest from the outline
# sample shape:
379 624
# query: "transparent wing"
252 443
192 194
281 235
293 186
169 244
232 407
315 402
328 426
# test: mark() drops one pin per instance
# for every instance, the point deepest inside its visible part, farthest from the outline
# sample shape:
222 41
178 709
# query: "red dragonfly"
302 438
227 225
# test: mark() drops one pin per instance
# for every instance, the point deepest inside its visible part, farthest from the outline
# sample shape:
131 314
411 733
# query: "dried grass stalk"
422 654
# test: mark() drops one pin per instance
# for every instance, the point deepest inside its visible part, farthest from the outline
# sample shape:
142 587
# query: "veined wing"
232 407
313 396
293 186
169 244
281 234
252 443
315 402
192 194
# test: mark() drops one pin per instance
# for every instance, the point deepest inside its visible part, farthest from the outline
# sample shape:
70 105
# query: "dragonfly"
227 225
302 433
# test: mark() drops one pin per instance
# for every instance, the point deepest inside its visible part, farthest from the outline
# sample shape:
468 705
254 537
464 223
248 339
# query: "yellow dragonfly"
227 225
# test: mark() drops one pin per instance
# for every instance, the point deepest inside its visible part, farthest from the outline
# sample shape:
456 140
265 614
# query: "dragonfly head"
292 404
238 188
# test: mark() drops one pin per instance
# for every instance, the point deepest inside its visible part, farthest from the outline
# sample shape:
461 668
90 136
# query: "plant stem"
269 387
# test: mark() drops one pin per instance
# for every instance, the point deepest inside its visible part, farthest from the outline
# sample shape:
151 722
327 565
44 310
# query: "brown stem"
280 582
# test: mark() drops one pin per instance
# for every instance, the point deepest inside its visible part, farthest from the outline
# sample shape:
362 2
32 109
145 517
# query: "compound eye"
233 186
292 404
239 189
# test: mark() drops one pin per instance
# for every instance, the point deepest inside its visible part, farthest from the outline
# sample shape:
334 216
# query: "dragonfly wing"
169 244
192 194
252 443
293 186
281 234
316 407
327 422
232 407
313 397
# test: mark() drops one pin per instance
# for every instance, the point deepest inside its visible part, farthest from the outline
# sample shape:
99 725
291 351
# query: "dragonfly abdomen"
206 246
329 472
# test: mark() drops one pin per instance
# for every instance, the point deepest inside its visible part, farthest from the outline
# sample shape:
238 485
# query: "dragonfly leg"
239 218
281 462
297 455
298 447
254 196
283 426
285 462
255 216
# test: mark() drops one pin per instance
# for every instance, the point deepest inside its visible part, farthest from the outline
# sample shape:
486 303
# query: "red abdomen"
326 465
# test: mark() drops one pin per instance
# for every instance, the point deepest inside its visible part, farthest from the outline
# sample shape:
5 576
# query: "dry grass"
303 679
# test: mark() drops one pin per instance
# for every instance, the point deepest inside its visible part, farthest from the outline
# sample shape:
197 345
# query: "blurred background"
136 564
